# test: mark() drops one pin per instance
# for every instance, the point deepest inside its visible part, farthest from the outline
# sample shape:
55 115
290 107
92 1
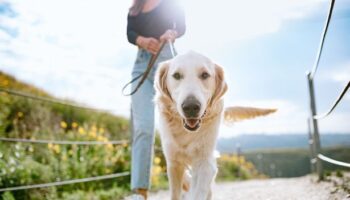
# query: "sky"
78 50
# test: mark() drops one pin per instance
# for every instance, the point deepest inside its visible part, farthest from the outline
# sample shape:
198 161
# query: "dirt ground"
272 189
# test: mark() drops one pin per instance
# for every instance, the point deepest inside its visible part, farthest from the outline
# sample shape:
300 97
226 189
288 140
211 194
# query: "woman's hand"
169 35
151 45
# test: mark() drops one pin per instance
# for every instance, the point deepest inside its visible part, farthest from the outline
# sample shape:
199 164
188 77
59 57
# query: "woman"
150 22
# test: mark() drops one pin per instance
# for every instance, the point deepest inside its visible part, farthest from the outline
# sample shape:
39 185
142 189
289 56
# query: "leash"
144 75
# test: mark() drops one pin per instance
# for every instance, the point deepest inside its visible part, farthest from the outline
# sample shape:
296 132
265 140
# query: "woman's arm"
131 33
148 43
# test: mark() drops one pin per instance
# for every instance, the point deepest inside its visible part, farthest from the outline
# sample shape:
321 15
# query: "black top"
155 22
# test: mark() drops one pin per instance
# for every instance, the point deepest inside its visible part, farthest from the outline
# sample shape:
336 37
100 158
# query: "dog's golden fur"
192 151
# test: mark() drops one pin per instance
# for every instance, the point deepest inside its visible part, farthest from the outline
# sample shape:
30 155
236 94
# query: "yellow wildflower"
157 160
63 124
235 159
94 128
100 138
157 169
155 180
5 82
125 144
49 146
92 134
81 131
57 148
241 159
101 130
74 125
20 114
110 146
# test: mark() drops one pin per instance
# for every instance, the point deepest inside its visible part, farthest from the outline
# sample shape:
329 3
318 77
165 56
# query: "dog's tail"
238 113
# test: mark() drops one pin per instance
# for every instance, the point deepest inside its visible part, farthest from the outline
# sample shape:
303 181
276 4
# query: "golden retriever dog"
189 91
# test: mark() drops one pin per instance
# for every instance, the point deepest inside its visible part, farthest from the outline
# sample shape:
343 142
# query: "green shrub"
27 164
8 196
232 167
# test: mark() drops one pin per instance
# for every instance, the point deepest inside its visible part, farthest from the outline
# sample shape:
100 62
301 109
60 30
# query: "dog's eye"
177 76
205 75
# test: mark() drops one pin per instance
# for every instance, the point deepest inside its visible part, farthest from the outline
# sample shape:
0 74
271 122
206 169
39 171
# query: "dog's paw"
186 186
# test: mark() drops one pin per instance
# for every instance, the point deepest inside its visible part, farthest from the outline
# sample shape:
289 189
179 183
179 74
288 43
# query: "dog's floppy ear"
160 79
237 113
220 84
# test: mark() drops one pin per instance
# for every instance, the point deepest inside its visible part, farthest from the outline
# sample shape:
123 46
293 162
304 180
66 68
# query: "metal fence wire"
314 140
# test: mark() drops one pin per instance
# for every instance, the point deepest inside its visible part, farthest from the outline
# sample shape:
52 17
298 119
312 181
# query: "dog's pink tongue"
192 122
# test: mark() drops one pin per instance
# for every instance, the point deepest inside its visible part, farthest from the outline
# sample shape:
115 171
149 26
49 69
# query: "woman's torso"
155 22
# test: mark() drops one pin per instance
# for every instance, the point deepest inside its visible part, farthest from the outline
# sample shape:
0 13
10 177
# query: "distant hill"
26 117
286 155
294 162
9 82
250 142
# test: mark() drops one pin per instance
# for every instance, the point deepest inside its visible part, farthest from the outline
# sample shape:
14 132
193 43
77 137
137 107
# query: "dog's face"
193 83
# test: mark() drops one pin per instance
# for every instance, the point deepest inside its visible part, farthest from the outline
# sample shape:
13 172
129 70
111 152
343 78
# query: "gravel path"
272 189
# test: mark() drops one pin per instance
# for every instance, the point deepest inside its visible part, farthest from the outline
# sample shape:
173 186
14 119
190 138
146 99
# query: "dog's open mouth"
192 124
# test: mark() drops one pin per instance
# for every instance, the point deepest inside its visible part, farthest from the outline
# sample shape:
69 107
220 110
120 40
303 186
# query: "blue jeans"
142 119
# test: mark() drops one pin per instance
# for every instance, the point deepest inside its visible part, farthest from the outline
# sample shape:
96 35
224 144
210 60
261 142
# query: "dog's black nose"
191 107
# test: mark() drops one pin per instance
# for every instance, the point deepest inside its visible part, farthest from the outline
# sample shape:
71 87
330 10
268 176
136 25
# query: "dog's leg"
175 174
186 180
204 173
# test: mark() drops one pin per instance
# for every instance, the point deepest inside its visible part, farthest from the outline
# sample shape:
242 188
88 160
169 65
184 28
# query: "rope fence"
335 162
59 183
314 141
117 142
324 34
49 100
321 116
